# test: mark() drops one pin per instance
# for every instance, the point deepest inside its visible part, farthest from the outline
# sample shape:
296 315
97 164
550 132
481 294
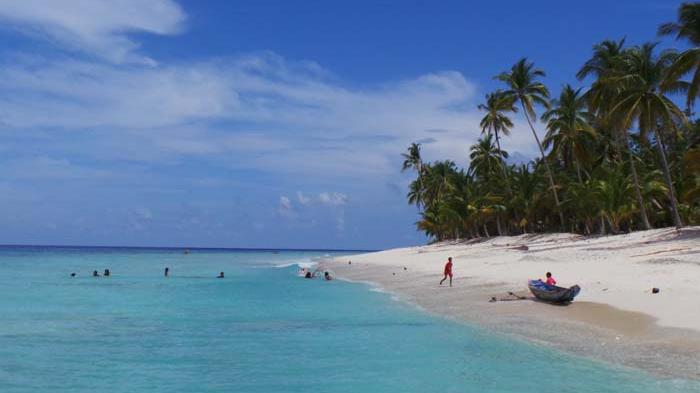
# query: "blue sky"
259 123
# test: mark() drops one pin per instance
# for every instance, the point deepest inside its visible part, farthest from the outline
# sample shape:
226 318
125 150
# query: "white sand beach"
615 318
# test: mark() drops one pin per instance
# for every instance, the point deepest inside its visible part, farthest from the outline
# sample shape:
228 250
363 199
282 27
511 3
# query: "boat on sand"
552 293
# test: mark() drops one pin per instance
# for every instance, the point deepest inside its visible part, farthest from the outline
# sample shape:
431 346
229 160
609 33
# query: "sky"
260 124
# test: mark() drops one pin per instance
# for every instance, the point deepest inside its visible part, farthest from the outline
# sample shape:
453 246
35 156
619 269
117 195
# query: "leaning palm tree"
524 88
568 129
688 28
642 102
605 64
496 121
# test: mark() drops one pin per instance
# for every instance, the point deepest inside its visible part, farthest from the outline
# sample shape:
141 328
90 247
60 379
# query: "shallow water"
261 329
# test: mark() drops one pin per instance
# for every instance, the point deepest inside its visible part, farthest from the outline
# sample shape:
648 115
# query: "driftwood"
513 297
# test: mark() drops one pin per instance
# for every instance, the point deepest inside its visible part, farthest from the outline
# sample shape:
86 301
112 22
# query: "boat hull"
551 293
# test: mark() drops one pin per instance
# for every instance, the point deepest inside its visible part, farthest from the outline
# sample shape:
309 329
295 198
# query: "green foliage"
624 156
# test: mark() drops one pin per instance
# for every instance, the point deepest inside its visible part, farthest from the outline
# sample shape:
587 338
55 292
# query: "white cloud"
303 199
333 199
47 168
267 113
284 208
257 111
97 27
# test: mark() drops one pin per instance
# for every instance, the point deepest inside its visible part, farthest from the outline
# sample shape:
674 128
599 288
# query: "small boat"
552 293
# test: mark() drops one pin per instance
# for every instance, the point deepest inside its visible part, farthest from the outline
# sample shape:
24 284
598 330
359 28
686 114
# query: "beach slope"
615 318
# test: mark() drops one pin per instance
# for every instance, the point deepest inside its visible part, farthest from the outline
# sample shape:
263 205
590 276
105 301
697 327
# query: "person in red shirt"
550 279
448 271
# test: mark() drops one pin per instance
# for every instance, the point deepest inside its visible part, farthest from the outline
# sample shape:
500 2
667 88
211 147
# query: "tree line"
622 154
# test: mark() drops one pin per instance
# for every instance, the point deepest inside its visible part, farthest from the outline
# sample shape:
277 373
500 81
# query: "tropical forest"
619 154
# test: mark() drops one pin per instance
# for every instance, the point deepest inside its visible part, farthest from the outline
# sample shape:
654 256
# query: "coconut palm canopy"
620 154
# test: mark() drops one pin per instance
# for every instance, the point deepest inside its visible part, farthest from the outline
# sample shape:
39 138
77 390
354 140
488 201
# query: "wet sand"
587 328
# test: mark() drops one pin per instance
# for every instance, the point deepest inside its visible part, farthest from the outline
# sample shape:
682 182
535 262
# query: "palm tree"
606 55
439 181
604 65
613 196
485 158
526 186
413 160
524 87
642 101
568 129
688 28
496 121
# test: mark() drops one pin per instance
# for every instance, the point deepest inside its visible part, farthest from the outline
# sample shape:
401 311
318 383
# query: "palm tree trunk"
503 164
505 173
637 190
669 182
578 171
498 226
602 224
546 165
420 184
486 231
586 224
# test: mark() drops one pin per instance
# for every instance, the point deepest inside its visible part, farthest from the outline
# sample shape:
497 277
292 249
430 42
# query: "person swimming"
95 273
221 275
106 273
72 274
327 276
167 271
308 275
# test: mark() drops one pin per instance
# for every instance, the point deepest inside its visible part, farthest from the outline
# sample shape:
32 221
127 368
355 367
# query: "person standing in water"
167 270
221 275
95 273
447 271
106 273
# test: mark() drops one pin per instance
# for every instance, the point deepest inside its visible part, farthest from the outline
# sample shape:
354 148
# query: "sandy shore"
616 317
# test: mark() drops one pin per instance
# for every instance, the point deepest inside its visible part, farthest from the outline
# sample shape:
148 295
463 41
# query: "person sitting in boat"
327 276
550 280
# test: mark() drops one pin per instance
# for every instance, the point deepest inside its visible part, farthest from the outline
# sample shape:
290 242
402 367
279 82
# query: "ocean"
259 329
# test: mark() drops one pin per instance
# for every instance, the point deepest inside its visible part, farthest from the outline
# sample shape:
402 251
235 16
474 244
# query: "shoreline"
659 334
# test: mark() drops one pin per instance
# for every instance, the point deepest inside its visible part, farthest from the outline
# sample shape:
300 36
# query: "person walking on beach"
448 271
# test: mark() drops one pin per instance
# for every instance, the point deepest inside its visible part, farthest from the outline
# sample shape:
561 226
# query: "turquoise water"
261 329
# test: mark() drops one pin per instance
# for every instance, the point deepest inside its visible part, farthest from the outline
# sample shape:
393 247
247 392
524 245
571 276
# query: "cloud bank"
99 110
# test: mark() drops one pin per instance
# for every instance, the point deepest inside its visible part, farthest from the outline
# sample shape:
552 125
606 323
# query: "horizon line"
186 248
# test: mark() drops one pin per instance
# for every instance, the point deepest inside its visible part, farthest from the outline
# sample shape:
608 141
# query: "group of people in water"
308 273
95 273
107 273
